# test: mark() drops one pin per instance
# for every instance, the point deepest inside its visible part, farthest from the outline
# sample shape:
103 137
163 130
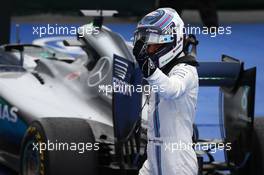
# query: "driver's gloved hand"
145 62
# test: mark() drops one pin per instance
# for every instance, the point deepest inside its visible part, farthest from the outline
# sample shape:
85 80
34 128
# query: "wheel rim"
31 160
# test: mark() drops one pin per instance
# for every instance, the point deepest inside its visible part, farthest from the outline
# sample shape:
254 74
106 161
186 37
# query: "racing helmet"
163 26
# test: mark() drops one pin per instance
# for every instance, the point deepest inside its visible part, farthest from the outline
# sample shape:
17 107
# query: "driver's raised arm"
176 84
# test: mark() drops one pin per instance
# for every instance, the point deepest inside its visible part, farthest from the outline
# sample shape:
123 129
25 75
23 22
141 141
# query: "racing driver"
159 48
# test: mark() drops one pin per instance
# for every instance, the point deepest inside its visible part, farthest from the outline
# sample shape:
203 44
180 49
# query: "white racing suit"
170 122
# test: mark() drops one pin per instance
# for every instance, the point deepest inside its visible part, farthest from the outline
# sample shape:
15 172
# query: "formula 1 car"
59 116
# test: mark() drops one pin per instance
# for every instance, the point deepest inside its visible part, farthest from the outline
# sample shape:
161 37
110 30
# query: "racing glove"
145 62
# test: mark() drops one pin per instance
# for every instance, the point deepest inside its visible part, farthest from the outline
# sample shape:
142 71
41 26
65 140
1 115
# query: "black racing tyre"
257 159
70 148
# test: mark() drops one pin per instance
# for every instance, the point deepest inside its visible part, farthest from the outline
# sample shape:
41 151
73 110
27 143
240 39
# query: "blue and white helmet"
162 26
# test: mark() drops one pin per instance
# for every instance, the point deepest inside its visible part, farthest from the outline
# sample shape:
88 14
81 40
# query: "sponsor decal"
7 112
12 126
152 30
120 68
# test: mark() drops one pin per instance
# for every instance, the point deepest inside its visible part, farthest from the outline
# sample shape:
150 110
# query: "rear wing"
236 111
236 105
225 73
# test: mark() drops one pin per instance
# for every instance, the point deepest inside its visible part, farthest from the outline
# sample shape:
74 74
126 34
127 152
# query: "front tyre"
38 159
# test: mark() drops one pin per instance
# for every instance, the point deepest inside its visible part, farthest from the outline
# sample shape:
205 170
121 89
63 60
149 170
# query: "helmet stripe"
165 21
161 19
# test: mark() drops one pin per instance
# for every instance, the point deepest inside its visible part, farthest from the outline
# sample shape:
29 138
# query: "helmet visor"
152 38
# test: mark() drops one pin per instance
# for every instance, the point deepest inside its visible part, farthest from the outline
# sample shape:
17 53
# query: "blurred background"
245 20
